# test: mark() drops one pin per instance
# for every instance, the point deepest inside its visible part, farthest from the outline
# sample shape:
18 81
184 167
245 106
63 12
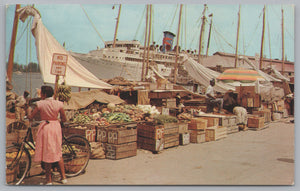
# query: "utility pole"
12 45
282 29
208 41
117 25
201 34
177 46
262 40
237 38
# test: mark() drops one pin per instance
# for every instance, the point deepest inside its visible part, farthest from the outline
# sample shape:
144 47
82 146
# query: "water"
31 82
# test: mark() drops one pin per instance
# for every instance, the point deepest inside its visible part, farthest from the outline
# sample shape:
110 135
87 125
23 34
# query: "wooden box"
154 145
171 103
171 128
232 129
197 123
255 121
211 121
227 121
215 133
89 132
122 134
102 134
266 113
120 151
184 138
171 140
183 127
150 130
197 136
276 116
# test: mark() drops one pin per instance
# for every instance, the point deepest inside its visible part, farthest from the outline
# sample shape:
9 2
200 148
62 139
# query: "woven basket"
76 164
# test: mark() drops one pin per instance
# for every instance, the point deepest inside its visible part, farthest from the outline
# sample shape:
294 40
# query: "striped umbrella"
240 74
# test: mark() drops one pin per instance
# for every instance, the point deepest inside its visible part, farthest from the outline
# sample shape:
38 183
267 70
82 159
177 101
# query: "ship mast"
145 44
208 41
282 29
201 34
177 46
117 25
237 37
13 44
262 40
149 36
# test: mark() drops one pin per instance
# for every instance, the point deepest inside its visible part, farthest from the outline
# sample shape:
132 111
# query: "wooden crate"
150 130
197 136
227 121
215 133
255 121
119 151
102 134
122 134
266 113
171 140
89 132
184 138
197 123
183 127
232 129
170 103
211 121
171 128
154 145
276 116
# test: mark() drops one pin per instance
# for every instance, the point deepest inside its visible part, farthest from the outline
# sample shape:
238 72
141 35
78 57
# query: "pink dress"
49 137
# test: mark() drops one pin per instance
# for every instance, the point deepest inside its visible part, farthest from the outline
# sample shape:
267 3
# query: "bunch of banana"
64 93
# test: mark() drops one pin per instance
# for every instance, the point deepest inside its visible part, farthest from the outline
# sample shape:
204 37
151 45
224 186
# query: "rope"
140 23
92 24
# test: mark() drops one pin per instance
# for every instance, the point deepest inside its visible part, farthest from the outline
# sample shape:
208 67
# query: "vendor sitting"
211 99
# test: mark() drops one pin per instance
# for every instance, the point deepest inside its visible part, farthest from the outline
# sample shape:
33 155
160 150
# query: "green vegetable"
162 119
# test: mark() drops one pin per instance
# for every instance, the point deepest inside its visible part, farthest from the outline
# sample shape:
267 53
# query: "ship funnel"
168 41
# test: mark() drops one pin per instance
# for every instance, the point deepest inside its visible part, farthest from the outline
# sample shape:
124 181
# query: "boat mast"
149 36
13 44
145 44
208 41
262 39
282 29
201 34
237 38
117 25
177 46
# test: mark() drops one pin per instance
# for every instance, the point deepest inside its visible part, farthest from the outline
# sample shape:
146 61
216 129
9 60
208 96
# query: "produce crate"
197 136
197 123
150 130
119 151
183 127
102 134
87 131
266 113
276 116
255 121
170 103
171 128
211 121
154 145
171 140
184 138
232 129
215 133
122 134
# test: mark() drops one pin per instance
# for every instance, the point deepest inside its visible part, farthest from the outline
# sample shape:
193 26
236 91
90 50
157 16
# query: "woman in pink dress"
49 135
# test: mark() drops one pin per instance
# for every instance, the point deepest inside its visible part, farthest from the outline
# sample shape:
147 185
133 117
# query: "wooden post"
262 40
237 38
117 25
145 45
149 36
56 86
177 46
13 44
282 29
208 41
201 34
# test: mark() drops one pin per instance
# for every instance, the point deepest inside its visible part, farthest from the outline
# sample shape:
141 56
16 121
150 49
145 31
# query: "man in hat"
211 99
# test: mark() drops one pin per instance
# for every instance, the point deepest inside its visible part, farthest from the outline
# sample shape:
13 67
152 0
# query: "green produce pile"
162 119
117 117
81 118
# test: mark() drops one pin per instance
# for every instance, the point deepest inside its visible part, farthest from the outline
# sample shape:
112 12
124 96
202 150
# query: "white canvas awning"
46 45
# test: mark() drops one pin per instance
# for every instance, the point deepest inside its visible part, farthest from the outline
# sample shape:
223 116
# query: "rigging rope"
138 28
92 24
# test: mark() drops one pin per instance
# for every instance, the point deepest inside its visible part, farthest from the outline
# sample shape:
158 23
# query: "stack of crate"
150 136
230 122
86 130
197 127
171 135
255 122
214 131
184 135
121 141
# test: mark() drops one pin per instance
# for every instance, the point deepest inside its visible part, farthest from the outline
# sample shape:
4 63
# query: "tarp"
240 74
81 100
46 45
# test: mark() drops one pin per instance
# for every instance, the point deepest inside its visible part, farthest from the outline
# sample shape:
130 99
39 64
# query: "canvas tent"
46 45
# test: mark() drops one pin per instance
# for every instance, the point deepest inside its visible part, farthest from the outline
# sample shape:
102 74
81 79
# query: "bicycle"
76 154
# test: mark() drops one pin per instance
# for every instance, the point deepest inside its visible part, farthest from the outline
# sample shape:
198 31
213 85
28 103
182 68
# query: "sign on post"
59 64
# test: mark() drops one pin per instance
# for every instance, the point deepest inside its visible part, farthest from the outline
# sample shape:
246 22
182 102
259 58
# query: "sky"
68 23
